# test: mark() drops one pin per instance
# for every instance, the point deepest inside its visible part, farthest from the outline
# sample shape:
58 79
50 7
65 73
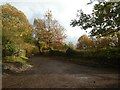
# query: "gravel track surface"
55 72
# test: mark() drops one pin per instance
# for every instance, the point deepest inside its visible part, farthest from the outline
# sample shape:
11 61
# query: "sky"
63 11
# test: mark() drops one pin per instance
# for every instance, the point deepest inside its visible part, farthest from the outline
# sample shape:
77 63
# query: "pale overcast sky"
63 11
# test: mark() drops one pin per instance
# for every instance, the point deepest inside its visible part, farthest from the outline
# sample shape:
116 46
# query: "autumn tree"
106 41
71 45
49 32
84 42
57 31
103 42
41 34
16 30
58 35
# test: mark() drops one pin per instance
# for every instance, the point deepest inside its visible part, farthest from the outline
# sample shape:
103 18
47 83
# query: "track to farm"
55 72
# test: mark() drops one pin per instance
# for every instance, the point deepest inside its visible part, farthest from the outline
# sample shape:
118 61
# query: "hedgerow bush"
71 53
103 56
56 53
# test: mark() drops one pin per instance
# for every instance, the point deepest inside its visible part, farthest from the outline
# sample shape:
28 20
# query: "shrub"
102 57
70 52
56 53
8 49
29 48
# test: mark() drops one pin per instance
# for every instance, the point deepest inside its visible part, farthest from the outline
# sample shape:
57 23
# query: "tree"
58 35
40 33
103 42
84 42
57 31
16 30
104 20
49 32
71 45
91 1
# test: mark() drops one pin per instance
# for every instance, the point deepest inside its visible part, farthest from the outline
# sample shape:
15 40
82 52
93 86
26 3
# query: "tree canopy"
84 42
104 20
49 33
16 29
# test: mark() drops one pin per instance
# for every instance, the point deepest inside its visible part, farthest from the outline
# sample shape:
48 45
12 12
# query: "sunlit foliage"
16 30
49 33
84 42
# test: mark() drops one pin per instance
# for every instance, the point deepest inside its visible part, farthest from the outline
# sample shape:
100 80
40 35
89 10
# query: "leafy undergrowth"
21 59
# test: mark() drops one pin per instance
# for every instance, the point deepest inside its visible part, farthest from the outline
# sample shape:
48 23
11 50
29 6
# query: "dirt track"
54 72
